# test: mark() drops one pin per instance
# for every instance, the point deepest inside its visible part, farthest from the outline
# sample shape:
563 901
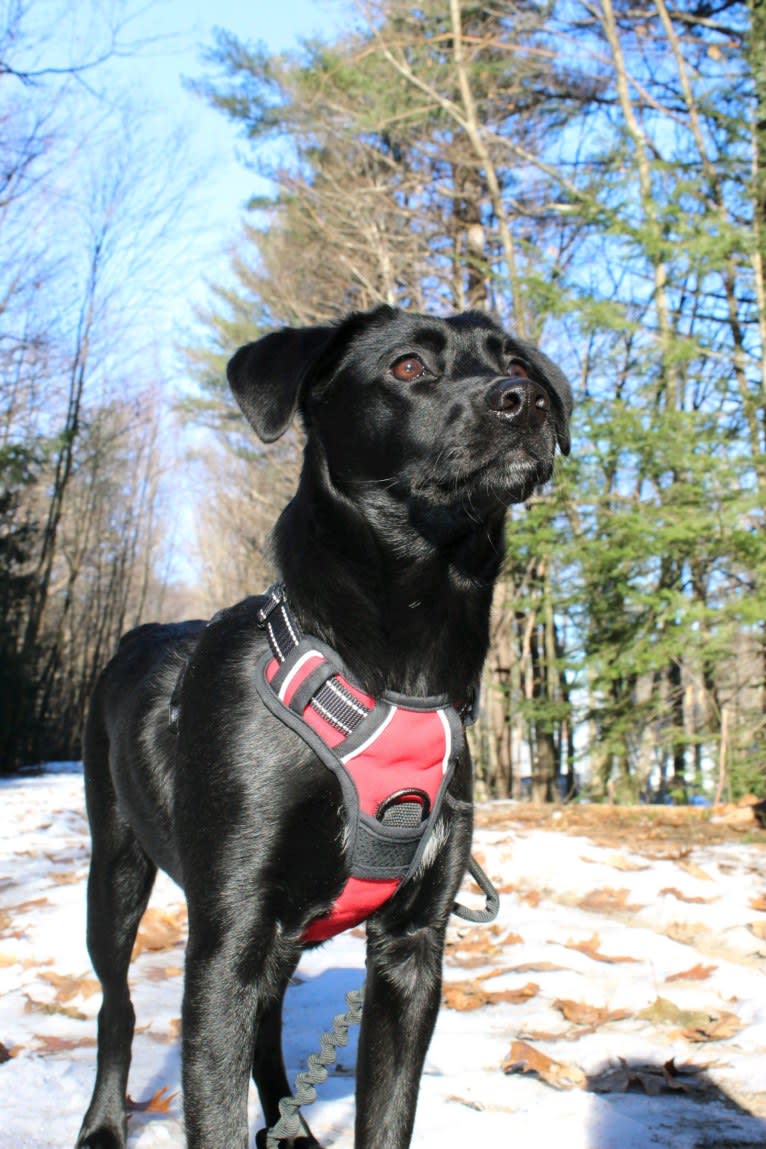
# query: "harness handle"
492 898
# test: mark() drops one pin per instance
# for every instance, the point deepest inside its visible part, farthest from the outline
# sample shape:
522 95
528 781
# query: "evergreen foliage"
594 174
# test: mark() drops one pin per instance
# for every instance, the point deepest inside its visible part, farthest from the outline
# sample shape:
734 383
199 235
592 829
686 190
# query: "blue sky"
141 94
174 33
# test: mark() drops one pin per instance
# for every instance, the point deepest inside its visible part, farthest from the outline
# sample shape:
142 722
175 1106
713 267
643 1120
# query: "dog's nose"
519 401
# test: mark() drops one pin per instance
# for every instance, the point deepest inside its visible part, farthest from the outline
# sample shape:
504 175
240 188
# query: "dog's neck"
417 625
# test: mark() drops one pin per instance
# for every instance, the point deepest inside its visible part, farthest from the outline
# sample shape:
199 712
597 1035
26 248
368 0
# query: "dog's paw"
302 1142
100 1139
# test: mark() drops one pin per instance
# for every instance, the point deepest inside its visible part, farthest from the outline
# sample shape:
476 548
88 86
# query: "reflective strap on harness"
332 701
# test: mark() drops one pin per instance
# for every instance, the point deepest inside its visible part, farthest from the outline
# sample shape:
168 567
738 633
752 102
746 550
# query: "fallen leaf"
6 1054
69 986
7 960
685 932
758 903
592 1015
32 904
473 961
498 972
160 930
662 1011
52 1007
652 1079
469 995
673 892
759 929
698 1025
159 1102
66 879
161 973
531 897
626 865
694 870
538 967
50 1043
512 939
718 1028
469 1104
591 949
524 1058
697 972
608 900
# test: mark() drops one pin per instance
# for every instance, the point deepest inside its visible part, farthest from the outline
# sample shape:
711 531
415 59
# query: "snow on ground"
622 989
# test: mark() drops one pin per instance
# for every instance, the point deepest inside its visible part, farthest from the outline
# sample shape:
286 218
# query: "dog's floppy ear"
267 376
559 384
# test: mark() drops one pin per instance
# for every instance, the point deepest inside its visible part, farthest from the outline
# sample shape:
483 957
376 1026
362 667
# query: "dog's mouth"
505 478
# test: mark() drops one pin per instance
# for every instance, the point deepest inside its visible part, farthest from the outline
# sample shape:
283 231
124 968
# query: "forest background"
592 173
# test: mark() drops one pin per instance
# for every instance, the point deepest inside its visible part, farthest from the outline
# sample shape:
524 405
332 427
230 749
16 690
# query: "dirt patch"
660 831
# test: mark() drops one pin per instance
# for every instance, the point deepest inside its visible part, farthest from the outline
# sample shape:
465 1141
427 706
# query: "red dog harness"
393 756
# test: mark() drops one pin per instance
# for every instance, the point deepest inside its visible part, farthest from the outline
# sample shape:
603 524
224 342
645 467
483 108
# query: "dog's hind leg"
120 881
269 1073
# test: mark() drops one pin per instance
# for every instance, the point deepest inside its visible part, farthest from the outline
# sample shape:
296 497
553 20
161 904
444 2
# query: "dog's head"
440 412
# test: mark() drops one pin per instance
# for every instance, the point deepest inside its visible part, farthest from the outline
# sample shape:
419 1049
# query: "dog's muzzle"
521 402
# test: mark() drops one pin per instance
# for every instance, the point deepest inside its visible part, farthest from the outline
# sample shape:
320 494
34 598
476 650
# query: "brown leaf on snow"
53 1044
531 897
6 1054
687 897
512 939
159 1102
524 1058
160 930
697 1025
25 907
468 995
591 1015
53 1007
591 949
608 900
500 971
697 972
68 986
69 878
662 1011
474 961
538 967
616 862
652 1079
694 870
620 862
718 1028
161 973
759 929
685 932
758 903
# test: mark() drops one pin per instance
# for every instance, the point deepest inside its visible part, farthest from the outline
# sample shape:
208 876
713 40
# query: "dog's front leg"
402 997
228 985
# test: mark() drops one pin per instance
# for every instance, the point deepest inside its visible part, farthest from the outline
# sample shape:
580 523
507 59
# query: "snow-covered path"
619 1002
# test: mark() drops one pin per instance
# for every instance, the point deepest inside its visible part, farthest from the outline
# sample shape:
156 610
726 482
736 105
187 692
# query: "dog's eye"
517 370
407 368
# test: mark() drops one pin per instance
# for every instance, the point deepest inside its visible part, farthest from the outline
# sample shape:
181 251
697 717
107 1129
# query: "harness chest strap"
393 756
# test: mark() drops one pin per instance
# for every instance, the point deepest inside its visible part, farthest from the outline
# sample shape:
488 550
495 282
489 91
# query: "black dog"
420 432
